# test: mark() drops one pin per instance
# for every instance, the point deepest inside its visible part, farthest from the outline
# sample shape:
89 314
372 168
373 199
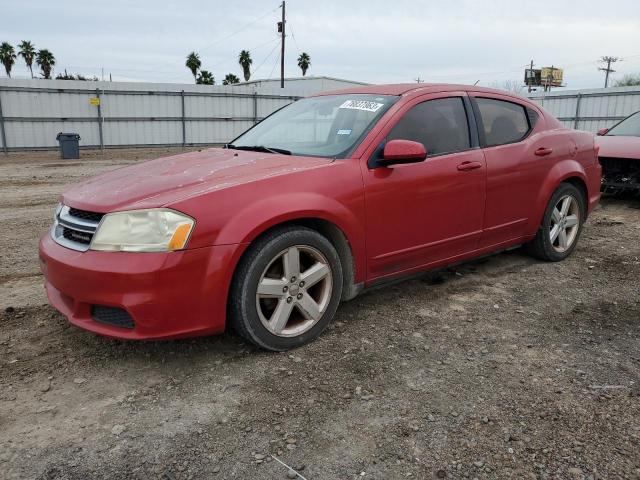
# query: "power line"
238 30
265 59
250 50
274 66
294 38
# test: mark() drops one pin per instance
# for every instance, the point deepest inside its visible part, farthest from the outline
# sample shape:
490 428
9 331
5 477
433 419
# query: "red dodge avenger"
324 198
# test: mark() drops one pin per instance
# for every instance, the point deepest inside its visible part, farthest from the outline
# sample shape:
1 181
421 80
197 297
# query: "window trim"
480 123
471 128
623 120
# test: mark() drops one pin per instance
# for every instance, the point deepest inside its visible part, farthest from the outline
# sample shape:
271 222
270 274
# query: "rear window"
502 122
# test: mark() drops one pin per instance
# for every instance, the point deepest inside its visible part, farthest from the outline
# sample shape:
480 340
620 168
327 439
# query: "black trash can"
69 147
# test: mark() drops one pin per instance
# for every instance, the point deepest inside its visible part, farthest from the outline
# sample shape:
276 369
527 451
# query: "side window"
503 122
440 125
533 116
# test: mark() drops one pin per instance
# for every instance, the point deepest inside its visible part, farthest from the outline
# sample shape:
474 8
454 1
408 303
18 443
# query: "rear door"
518 154
425 213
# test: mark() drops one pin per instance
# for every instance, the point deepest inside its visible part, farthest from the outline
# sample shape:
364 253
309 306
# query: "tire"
271 308
556 245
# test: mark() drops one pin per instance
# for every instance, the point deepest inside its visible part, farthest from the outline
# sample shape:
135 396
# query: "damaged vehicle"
620 156
328 196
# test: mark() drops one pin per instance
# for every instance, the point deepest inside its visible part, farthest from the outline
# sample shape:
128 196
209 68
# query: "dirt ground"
502 368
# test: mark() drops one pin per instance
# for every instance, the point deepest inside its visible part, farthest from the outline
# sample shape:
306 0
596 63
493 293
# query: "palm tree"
193 64
245 62
45 61
28 52
7 57
230 79
205 78
304 62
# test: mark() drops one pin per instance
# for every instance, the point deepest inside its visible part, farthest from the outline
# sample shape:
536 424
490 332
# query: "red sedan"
327 196
620 155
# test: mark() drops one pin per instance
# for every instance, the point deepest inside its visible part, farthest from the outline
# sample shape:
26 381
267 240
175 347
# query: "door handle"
464 166
542 151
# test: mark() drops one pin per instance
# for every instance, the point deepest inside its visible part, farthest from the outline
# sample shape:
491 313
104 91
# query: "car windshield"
630 127
325 126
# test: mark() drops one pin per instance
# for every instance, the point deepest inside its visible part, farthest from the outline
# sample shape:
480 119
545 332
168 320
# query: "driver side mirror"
602 131
402 151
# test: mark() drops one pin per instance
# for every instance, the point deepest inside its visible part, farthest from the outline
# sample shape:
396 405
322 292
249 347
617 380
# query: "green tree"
45 61
7 57
245 62
630 80
230 79
205 78
193 63
28 52
304 62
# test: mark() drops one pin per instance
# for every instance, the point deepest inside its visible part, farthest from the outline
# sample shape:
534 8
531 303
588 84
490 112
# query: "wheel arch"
338 239
563 172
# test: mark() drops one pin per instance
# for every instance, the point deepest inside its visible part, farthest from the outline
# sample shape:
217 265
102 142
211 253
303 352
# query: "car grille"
620 175
112 316
83 214
74 228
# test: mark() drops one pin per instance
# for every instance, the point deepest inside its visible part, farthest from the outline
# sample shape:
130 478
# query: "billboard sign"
551 76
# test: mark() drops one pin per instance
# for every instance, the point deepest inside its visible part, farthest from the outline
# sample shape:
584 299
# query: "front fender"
260 215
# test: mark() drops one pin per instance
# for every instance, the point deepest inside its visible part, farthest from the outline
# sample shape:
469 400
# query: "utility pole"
608 70
418 80
530 73
549 81
282 49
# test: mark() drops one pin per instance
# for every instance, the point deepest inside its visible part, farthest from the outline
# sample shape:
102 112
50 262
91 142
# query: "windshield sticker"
344 132
365 105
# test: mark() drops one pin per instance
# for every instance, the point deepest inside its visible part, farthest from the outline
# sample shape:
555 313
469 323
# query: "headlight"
156 230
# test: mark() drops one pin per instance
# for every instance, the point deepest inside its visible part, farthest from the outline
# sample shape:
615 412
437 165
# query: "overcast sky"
371 41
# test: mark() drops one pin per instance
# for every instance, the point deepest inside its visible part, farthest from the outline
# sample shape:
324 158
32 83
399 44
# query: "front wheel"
561 226
286 289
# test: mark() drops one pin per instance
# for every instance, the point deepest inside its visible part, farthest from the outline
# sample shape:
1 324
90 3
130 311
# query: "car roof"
412 89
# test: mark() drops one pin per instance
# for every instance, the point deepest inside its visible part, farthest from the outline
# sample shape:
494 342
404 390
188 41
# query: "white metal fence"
32 112
106 114
590 110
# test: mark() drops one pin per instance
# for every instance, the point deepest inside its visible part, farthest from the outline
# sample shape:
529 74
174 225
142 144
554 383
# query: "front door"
423 214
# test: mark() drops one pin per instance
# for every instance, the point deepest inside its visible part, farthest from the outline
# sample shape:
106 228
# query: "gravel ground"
501 368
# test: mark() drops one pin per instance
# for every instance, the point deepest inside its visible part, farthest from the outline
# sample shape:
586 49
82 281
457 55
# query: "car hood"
168 180
619 147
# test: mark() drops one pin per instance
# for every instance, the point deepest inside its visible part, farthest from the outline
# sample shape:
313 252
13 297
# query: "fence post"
184 128
4 135
577 117
255 107
100 119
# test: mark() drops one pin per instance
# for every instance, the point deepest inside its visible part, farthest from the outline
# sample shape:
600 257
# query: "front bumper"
168 295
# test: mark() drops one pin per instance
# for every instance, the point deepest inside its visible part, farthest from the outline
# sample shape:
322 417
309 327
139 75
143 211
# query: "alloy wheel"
565 223
294 291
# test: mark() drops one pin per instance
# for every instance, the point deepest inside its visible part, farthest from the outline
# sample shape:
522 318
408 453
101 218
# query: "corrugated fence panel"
595 109
215 132
133 114
43 134
143 105
266 106
123 132
47 104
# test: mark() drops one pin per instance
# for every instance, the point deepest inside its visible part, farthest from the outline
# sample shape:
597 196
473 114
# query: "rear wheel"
561 226
286 289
